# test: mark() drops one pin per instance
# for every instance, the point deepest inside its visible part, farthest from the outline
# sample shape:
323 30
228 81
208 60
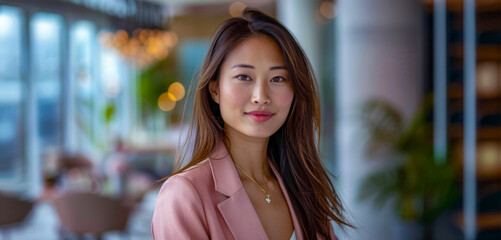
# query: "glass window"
82 47
11 94
46 32
99 78
113 100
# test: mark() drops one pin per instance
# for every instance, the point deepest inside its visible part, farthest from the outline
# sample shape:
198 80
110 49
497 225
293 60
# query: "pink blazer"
210 202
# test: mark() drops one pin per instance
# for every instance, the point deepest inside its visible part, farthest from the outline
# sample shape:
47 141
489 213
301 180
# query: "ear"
214 90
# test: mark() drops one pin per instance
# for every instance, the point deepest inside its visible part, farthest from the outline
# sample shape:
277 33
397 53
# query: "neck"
250 154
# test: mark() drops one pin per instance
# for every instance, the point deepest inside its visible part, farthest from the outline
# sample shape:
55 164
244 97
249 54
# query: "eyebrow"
252 67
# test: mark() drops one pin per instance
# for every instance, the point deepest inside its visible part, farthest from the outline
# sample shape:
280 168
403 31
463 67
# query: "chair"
86 213
13 211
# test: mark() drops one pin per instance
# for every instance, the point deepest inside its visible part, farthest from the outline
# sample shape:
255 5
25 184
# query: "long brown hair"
293 147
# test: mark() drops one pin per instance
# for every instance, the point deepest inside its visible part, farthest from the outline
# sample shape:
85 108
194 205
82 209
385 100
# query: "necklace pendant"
268 200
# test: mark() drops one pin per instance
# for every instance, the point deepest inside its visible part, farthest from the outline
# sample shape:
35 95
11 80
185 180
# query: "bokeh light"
488 76
237 8
328 9
165 103
177 90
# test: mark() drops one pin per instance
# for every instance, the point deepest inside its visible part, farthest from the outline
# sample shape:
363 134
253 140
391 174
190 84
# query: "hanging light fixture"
144 47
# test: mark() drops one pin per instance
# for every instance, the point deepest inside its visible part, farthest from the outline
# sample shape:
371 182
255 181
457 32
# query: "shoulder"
179 209
199 175
190 182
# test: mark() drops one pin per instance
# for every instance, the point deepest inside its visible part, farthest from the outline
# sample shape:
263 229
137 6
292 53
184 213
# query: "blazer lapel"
295 221
237 211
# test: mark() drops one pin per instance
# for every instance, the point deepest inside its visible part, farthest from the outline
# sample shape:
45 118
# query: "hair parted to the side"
292 148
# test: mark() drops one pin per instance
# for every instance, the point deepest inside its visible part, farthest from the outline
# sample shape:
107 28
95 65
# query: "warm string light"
488 75
144 47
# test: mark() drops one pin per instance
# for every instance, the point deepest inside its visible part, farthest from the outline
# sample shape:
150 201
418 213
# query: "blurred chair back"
13 210
81 213
12 213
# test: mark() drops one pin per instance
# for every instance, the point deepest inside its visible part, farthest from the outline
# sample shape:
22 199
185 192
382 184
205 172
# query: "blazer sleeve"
178 212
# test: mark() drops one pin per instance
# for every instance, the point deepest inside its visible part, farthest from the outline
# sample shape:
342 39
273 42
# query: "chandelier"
143 47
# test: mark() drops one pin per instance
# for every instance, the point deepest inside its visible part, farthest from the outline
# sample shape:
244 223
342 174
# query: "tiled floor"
43 224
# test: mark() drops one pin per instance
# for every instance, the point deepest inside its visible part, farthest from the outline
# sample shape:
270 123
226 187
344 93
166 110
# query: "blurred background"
92 94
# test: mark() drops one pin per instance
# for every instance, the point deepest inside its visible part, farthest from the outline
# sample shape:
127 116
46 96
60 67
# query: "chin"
260 133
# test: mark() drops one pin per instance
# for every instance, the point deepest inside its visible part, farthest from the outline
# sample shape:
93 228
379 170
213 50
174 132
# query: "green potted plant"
153 81
419 185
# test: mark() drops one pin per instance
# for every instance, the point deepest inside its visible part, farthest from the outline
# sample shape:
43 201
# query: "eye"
243 78
278 79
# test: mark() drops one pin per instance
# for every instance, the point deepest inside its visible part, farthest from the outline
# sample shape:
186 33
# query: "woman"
254 170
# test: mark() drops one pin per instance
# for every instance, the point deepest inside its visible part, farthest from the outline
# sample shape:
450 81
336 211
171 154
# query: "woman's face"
253 91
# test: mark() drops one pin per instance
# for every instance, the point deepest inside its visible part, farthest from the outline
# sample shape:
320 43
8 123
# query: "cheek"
285 99
231 97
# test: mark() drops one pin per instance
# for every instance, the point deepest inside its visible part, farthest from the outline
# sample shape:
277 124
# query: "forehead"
256 50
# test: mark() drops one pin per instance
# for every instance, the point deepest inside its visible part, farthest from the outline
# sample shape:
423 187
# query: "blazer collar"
237 210
225 175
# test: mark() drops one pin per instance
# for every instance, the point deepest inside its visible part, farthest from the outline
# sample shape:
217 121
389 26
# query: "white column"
379 54
33 160
470 122
70 127
299 17
440 79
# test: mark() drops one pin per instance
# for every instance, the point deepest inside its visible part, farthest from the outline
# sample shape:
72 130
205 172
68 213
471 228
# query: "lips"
259 115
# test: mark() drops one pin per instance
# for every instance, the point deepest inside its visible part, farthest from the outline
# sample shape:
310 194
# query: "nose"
261 94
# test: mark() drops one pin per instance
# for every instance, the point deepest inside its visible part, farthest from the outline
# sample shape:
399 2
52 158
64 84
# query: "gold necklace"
267 195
